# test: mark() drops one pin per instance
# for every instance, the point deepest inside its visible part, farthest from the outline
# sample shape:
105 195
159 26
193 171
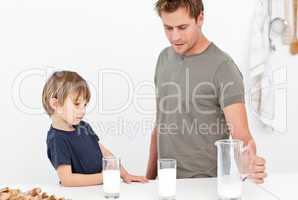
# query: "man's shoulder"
219 58
225 65
218 54
165 52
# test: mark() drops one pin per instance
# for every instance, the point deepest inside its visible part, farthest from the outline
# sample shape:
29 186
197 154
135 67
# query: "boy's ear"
54 103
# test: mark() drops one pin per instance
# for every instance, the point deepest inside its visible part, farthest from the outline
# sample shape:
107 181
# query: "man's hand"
128 178
258 170
236 118
256 164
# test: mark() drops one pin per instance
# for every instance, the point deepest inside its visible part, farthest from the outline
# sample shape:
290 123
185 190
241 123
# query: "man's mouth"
178 45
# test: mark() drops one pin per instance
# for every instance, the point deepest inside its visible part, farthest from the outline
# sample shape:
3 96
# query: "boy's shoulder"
82 129
85 127
83 124
55 134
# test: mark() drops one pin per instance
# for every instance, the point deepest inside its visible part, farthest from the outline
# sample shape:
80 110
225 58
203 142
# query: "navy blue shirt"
78 148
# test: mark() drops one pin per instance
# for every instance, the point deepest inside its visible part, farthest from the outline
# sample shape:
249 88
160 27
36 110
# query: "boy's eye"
78 104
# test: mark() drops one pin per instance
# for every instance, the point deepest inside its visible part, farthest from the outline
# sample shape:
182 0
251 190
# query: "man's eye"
182 27
168 28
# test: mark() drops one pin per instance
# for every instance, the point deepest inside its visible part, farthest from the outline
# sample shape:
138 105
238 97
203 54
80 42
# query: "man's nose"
176 35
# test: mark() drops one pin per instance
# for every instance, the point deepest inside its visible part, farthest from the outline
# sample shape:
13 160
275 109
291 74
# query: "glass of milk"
111 177
230 169
167 179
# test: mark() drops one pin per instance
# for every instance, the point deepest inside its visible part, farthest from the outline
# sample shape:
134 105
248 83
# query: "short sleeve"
229 83
58 152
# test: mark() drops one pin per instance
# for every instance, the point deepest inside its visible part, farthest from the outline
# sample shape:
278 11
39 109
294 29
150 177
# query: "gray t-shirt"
191 92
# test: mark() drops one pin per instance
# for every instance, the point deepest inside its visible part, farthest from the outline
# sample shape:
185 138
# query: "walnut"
34 194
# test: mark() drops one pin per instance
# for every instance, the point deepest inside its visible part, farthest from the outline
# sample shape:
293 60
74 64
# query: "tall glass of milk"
230 168
111 177
167 179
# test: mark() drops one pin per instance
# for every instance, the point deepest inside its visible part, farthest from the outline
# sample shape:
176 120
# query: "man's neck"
200 46
61 124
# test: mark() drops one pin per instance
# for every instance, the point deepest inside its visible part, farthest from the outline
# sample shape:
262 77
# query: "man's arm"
236 119
69 179
152 162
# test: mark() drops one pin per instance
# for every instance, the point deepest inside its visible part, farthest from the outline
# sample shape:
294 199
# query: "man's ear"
54 103
200 19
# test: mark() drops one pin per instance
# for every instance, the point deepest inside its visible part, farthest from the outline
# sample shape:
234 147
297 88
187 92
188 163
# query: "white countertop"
282 186
276 187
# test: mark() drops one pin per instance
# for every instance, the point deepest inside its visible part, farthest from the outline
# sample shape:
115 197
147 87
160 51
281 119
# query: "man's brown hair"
60 85
195 7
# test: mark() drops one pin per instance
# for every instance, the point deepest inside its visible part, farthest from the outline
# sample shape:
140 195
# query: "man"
200 97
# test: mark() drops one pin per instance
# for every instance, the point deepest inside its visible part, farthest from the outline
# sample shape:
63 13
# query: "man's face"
181 30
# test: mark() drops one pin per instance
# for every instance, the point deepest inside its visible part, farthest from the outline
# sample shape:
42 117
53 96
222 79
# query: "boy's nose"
82 112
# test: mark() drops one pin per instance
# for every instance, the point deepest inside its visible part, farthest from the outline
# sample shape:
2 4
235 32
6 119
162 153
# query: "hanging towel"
260 93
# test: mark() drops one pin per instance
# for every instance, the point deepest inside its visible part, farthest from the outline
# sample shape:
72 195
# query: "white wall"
38 37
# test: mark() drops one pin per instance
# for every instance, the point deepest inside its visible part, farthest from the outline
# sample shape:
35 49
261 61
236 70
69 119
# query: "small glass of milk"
167 179
111 177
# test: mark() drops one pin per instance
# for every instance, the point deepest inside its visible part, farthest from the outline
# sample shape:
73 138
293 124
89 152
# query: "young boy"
72 145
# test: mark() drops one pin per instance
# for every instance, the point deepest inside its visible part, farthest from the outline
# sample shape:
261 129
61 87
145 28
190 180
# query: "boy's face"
181 30
73 111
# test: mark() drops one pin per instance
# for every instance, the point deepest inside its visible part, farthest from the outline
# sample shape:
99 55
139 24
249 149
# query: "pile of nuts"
16 194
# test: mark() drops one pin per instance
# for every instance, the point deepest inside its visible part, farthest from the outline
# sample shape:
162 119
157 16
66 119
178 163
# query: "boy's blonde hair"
60 85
